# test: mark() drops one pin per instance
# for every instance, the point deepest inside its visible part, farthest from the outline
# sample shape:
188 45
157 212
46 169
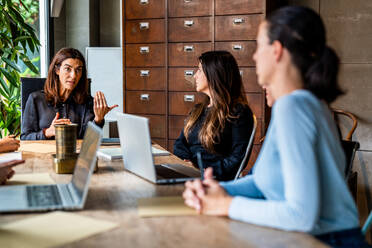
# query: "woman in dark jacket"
64 100
220 127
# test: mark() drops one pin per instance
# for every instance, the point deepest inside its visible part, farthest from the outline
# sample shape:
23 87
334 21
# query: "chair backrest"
29 85
339 112
350 148
248 152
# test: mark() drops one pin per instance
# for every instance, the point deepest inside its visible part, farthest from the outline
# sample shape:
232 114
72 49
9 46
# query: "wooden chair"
248 151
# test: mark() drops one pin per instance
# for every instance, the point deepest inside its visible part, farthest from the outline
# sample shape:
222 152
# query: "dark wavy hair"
226 89
301 31
51 87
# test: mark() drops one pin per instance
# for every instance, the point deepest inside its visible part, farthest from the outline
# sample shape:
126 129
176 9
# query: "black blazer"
229 151
39 114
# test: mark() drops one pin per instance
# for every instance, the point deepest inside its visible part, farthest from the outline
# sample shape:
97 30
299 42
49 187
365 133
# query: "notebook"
111 154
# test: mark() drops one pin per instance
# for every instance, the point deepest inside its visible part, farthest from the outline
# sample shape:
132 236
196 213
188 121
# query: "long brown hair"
226 89
51 87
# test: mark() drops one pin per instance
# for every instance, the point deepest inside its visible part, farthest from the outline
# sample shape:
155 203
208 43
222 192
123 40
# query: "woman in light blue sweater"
297 182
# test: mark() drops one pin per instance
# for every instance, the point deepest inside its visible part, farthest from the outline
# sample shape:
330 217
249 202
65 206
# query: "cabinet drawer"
190 29
176 124
249 79
180 103
161 142
157 125
170 145
187 54
255 102
138 9
138 55
145 102
182 79
145 78
145 31
241 27
241 50
179 8
239 7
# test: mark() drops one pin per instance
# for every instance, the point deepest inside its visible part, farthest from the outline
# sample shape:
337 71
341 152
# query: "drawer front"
180 103
138 9
241 50
239 7
187 54
190 29
241 27
255 102
161 142
170 145
176 124
180 8
157 125
145 79
249 79
145 102
145 31
138 55
182 79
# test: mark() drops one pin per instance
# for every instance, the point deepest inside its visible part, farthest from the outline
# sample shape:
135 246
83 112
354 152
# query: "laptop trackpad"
13 198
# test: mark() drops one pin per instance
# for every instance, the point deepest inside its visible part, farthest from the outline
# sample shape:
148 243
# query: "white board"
105 68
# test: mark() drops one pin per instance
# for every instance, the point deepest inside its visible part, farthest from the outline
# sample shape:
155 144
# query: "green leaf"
8 76
31 66
4 87
11 64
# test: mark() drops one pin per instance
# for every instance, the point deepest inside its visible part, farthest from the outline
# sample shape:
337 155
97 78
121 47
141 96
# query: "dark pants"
351 238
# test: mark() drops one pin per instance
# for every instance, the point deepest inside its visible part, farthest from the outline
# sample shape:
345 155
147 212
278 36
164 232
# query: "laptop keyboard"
166 173
43 196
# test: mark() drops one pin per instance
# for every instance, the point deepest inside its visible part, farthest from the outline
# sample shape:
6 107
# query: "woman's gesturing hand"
51 131
100 107
9 144
207 196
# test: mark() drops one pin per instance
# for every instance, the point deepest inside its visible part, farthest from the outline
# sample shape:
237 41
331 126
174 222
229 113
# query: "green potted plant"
16 39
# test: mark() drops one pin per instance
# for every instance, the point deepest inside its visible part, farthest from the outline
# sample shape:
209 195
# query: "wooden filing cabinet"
162 40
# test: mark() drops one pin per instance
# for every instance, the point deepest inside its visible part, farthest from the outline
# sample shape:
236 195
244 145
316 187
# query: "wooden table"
113 195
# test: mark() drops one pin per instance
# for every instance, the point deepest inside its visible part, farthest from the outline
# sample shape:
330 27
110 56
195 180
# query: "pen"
200 164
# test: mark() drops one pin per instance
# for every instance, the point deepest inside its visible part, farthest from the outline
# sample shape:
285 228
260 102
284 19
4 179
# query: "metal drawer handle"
145 97
144 25
144 2
189 98
238 20
188 48
189 73
241 73
144 49
188 23
145 73
237 47
187 1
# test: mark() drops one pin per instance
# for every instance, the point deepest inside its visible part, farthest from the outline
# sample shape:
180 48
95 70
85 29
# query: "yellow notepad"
50 229
163 206
30 178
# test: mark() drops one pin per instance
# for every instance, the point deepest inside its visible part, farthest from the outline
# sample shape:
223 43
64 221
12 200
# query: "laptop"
135 143
71 196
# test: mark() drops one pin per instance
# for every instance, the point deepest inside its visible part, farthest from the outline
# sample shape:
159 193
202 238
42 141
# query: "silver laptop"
135 143
71 196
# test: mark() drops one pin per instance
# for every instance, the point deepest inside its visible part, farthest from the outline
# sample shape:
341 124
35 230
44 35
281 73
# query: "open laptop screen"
87 159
